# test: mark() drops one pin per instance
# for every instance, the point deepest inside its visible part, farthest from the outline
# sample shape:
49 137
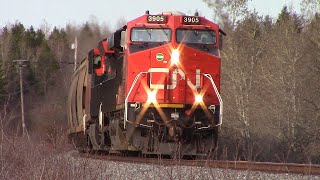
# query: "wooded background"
270 80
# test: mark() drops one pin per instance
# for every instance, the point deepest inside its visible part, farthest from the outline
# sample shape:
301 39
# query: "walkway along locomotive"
151 87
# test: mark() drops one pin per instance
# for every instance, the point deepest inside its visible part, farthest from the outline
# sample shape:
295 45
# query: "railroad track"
291 168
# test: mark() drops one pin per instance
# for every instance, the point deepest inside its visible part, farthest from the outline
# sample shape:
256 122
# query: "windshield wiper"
163 30
147 30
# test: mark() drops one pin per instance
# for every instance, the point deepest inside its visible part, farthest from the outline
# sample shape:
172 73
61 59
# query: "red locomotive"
151 87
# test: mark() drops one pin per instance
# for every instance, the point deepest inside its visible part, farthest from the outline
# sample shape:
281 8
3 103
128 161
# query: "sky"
60 12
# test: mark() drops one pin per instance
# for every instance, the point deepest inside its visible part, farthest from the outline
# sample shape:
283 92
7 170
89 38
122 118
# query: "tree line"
270 79
270 83
47 73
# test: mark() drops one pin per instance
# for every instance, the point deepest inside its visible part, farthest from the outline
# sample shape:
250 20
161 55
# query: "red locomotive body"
162 69
150 86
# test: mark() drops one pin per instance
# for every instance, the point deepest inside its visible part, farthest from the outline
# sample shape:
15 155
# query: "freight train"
151 87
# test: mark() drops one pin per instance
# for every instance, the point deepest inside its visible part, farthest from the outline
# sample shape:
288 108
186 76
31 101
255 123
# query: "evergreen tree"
59 44
47 67
16 40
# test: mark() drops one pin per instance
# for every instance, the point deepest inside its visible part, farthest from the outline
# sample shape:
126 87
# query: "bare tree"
229 11
279 73
244 48
309 8
121 22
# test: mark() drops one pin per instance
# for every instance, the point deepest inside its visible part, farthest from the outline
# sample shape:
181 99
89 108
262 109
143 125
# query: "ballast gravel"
104 169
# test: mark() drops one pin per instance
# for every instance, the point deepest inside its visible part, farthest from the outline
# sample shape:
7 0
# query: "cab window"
97 62
196 36
203 40
150 35
147 38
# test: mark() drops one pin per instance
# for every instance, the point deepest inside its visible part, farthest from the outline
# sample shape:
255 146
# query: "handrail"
219 97
125 120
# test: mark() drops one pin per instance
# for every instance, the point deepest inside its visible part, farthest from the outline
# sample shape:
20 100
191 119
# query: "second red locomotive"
151 87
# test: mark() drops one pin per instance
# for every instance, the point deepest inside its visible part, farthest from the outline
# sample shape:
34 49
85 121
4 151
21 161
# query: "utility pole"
21 64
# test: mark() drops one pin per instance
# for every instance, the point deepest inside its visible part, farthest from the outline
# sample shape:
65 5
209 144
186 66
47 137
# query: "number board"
156 19
190 20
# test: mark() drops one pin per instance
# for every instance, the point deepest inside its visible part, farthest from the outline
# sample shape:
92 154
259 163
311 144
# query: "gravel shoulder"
104 169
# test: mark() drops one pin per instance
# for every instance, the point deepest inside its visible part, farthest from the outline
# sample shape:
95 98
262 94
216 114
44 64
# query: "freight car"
151 87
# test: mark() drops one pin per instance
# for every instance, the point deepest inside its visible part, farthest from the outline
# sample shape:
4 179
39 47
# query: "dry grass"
41 156
21 158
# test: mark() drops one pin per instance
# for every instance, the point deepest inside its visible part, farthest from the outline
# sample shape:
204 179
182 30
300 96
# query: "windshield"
150 35
195 36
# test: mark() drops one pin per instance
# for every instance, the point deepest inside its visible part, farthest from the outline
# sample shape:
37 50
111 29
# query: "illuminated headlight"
175 56
152 96
198 98
175 115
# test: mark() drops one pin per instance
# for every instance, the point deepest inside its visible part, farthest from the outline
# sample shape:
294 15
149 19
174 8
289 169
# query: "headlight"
198 98
152 96
175 115
175 56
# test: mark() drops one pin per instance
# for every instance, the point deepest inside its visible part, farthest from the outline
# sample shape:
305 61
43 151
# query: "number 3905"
191 20
155 18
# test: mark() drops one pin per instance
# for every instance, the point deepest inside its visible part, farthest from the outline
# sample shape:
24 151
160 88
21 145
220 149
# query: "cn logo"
174 78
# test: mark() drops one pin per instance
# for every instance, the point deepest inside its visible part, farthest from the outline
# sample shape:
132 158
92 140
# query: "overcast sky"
60 12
